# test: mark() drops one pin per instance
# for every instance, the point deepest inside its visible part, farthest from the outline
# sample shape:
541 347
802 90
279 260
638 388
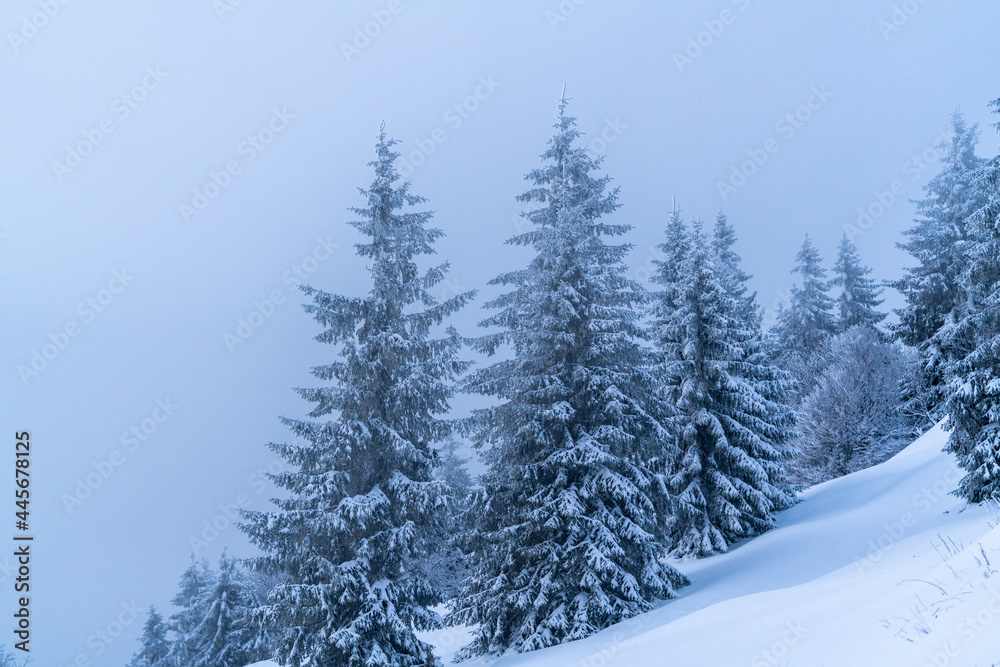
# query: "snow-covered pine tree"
858 300
668 271
734 278
669 276
808 322
776 385
566 535
154 647
799 339
941 240
195 584
728 476
223 638
362 503
973 406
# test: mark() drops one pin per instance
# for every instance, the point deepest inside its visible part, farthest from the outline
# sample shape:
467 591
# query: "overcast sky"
170 168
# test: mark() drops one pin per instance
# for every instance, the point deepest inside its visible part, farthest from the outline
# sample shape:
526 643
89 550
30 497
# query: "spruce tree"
733 277
973 404
223 637
779 385
728 477
808 322
942 241
195 584
669 276
154 645
799 340
669 269
362 505
566 534
859 300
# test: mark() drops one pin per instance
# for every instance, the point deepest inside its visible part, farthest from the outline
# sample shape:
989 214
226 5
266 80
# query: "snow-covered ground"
880 568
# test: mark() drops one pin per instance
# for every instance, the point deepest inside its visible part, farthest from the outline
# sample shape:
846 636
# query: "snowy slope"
879 568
